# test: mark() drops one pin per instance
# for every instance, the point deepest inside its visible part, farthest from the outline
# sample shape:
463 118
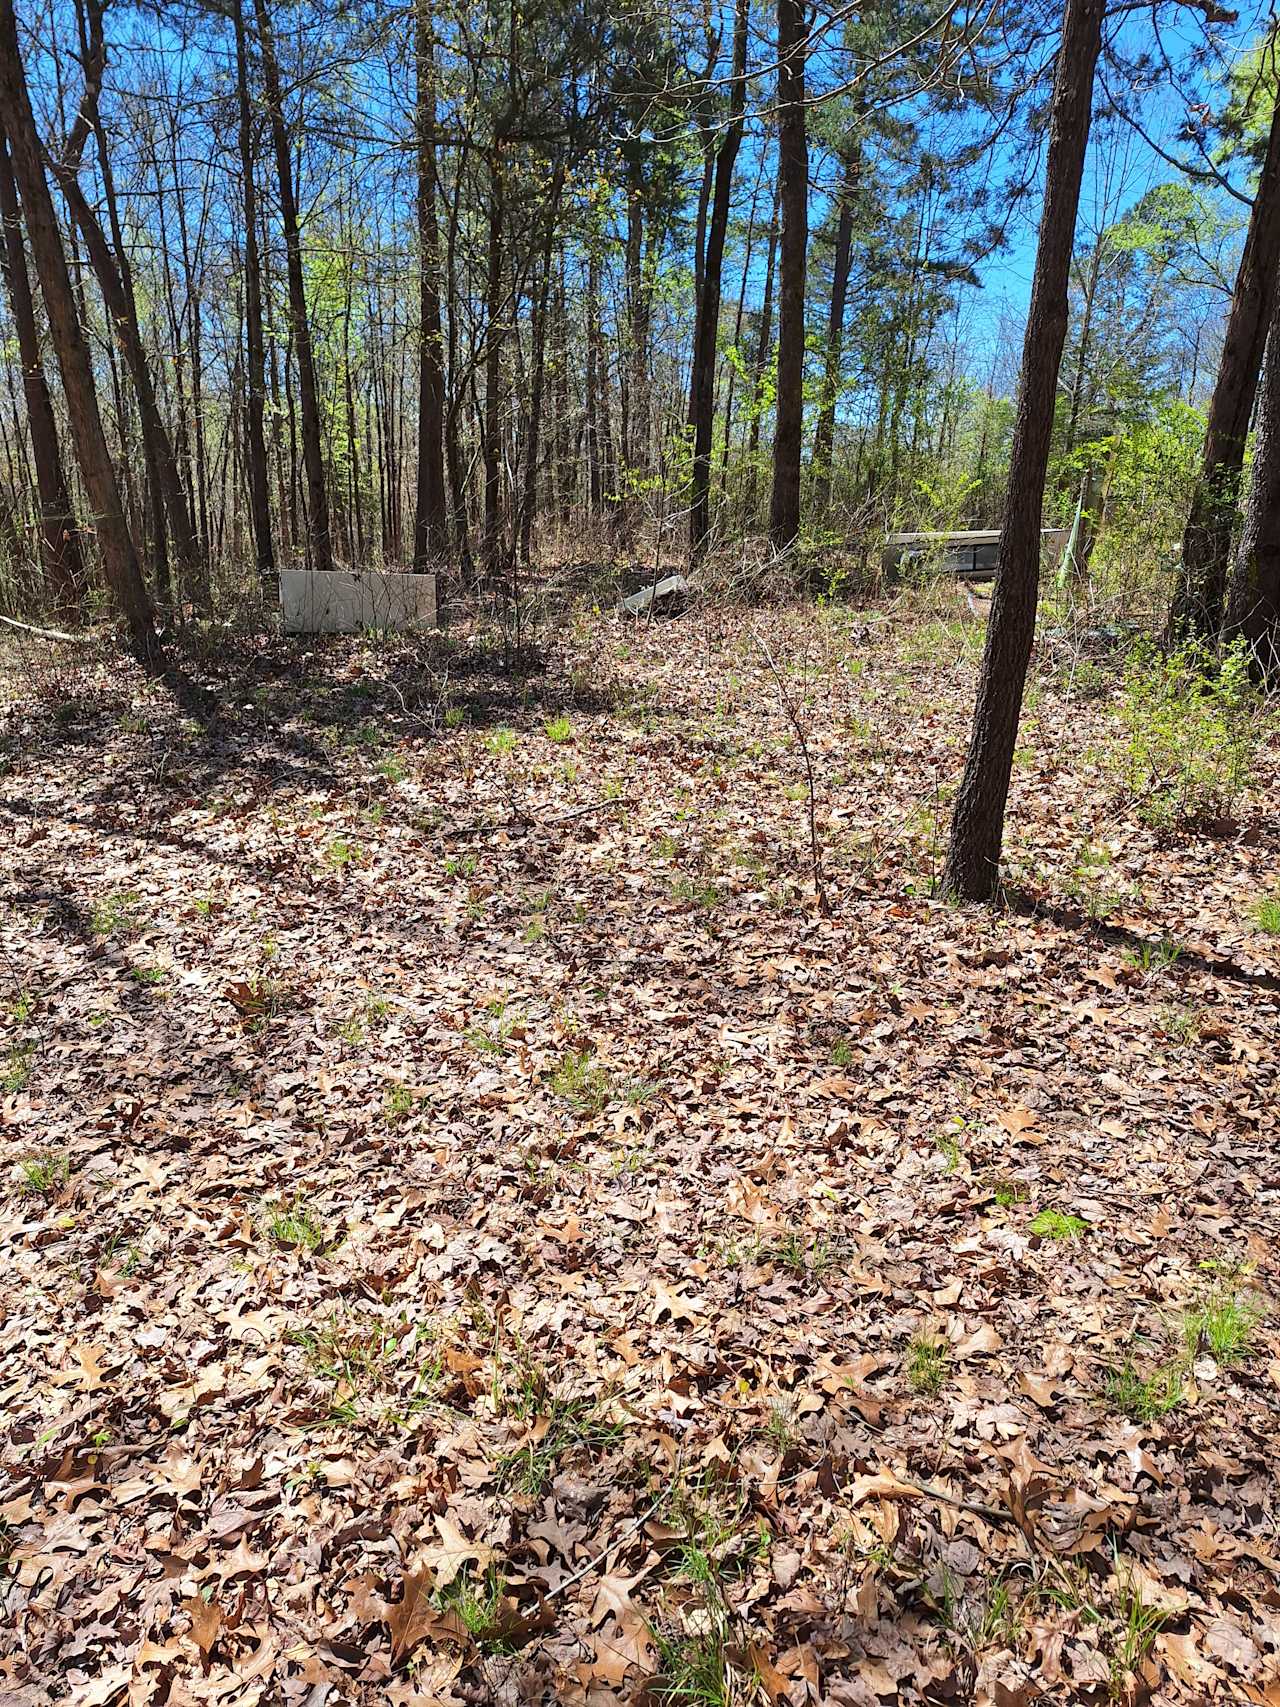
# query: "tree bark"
431 523
119 560
977 827
793 192
318 527
256 355
1253 608
492 419
702 379
759 368
59 533
1206 544
824 433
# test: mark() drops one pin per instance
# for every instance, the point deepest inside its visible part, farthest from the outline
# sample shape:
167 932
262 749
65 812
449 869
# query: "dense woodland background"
501 287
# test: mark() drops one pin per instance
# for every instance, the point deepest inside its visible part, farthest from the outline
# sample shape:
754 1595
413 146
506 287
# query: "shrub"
1191 731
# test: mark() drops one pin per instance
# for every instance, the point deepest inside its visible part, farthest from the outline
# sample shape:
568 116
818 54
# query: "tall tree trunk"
495 287
255 347
59 533
793 192
759 368
1206 544
110 262
595 459
977 827
308 395
537 383
119 560
824 433
431 524
1253 608
702 378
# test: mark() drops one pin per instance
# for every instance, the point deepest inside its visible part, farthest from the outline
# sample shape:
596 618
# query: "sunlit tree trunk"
299 324
119 560
431 521
1253 608
702 382
977 827
255 348
59 532
793 191
1206 544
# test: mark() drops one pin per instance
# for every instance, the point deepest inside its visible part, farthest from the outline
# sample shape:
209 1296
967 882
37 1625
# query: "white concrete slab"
337 601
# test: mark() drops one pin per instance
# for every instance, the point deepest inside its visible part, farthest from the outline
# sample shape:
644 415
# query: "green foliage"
1191 731
1151 470
397 1105
581 1082
340 853
1223 1321
927 1365
1145 1398
1056 1224
44 1173
1266 915
16 1069
501 740
704 895
559 729
1087 880
295 1225
116 913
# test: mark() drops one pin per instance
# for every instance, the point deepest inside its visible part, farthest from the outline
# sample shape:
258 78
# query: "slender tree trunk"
492 419
977 827
119 560
595 476
759 369
1206 544
308 395
537 383
824 433
255 347
793 191
59 533
431 524
110 262
1253 608
702 379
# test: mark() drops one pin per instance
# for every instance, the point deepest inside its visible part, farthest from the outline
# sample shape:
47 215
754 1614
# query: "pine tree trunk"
702 379
119 560
59 532
759 369
492 419
793 192
256 357
977 827
308 394
824 433
1253 608
1206 544
431 523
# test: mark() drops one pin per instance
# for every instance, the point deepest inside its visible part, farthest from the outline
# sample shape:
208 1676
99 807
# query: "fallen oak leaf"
413 1618
668 1302
454 1552
206 1624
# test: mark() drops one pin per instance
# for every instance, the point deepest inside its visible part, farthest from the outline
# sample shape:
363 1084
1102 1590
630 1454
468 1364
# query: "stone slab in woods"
336 601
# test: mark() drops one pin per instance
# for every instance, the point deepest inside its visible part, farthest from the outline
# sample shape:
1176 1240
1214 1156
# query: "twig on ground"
793 717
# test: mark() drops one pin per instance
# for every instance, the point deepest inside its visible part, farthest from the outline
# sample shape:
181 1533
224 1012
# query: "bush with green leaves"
1192 723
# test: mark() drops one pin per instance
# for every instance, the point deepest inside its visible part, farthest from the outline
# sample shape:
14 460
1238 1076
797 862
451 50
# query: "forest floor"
474 1231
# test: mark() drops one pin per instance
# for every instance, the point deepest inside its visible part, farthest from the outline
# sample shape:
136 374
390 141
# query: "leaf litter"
471 1223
